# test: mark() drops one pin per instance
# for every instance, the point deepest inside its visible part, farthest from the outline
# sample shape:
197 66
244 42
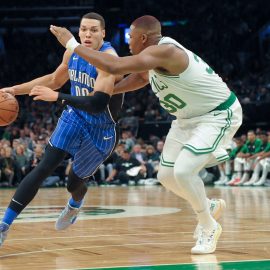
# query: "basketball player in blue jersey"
207 113
86 130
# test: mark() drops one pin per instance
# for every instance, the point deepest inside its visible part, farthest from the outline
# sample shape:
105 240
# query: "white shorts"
207 134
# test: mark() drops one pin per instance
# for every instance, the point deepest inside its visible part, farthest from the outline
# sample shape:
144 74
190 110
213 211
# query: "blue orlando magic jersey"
88 138
82 78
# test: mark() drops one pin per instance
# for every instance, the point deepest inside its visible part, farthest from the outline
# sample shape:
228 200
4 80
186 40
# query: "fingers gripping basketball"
9 109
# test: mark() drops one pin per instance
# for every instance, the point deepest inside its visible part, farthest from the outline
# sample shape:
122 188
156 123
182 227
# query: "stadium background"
233 37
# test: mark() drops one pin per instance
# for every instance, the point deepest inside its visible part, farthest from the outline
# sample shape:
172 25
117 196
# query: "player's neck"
100 45
154 40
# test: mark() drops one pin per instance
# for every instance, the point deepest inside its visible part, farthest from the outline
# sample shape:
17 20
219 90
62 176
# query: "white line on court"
44 250
116 235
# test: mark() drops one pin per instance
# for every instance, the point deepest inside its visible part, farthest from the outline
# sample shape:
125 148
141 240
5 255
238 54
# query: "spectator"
127 168
153 161
10 174
243 160
21 159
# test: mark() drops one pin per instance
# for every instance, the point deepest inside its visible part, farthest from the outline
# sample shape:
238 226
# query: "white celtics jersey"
196 91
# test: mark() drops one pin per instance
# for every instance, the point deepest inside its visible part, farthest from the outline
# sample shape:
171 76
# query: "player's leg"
221 180
256 174
265 170
77 187
247 169
238 165
186 170
29 186
166 177
170 152
228 171
89 156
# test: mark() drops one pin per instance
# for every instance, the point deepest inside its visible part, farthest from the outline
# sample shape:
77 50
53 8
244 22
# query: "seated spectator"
10 174
138 154
127 140
225 168
159 147
106 168
262 164
51 180
125 169
21 159
38 153
243 163
153 159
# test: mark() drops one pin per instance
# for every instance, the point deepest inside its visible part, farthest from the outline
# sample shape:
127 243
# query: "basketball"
9 109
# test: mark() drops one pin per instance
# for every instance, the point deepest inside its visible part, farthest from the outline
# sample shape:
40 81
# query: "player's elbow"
98 103
55 83
98 109
112 70
115 68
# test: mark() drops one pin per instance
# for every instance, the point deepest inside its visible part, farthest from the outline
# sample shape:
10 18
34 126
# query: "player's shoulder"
167 51
111 51
108 48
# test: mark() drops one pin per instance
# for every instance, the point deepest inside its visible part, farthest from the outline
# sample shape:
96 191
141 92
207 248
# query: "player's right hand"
10 90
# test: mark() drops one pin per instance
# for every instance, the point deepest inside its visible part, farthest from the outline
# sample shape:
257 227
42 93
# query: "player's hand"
43 93
10 90
61 33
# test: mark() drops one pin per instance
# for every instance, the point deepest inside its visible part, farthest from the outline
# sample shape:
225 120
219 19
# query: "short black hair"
95 16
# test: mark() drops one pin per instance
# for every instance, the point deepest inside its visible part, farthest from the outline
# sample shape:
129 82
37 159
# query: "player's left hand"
43 93
61 33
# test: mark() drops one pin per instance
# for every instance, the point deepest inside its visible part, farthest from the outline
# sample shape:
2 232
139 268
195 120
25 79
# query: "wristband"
72 44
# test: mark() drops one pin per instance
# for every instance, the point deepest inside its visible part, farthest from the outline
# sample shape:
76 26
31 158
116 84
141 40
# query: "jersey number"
208 69
81 91
172 103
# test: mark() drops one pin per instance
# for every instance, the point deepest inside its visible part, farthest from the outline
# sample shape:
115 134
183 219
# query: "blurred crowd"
249 163
134 161
225 34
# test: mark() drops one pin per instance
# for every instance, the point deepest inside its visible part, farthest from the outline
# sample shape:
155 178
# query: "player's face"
135 40
91 33
251 136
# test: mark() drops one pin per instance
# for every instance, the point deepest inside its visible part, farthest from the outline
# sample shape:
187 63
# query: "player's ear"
144 38
103 33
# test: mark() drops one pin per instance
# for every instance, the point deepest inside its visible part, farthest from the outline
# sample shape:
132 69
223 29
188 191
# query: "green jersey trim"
166 163
223 157
206 150
226 104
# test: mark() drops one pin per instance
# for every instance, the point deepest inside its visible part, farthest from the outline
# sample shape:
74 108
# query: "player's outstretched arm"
54 80
150 58
92 104
132 82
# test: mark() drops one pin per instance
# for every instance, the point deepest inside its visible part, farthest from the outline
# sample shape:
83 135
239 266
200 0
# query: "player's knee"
182 173
75 182
162 174
43 170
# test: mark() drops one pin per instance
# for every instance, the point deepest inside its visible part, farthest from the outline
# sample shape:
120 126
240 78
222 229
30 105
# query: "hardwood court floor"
136 226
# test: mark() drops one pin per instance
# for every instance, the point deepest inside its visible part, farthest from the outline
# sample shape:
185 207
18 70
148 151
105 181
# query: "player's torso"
192 93
82 77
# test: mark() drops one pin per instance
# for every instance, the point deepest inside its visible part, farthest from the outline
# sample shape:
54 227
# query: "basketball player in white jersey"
208 113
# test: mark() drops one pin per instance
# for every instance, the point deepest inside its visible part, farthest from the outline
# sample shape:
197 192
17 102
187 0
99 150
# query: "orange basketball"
9 109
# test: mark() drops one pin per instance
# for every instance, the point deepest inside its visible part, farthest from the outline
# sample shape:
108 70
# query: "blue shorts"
89 145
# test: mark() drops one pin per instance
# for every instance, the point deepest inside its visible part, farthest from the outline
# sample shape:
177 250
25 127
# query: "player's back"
192 93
